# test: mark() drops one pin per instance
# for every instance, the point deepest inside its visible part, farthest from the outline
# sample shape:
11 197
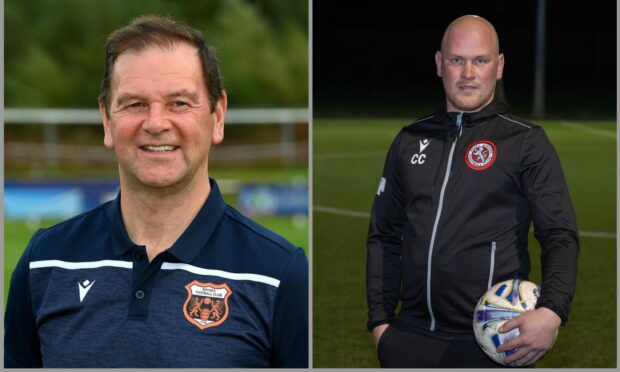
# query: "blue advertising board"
24 200
58 199
273 199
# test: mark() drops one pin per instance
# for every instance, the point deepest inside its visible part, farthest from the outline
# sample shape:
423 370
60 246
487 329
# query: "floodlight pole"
539 59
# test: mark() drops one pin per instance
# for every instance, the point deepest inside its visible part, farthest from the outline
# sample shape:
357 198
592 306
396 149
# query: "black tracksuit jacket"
452 214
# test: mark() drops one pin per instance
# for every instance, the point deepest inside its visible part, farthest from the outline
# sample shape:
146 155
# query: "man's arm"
290 324
21 342
383 268
555 227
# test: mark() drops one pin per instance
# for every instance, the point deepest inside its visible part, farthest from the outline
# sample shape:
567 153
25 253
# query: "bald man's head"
471 24
469 63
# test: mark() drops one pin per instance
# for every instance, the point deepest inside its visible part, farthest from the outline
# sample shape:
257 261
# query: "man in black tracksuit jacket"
452 214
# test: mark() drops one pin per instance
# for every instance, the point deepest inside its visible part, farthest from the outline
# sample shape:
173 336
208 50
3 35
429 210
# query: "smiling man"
166 275
452 214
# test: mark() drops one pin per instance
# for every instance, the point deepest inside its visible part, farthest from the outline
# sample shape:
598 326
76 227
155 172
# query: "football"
503 301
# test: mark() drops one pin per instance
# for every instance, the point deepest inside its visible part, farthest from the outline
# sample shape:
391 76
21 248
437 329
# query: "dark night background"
376 58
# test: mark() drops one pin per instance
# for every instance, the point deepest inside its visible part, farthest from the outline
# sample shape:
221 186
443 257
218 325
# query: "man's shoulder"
239 244
52 242
422 127
422 122
247 228
515 121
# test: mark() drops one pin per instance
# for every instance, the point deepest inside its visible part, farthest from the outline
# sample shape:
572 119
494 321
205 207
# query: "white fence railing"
92 116
52 151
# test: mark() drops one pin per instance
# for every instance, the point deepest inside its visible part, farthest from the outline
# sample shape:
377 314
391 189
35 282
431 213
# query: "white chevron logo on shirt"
85 286
423 144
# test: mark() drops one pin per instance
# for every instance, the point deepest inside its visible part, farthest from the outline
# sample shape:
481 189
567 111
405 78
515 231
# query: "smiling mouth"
164 148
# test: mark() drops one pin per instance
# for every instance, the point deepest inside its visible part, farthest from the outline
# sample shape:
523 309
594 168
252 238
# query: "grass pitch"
347 164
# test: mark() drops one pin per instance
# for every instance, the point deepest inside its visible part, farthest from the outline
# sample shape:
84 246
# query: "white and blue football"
503 301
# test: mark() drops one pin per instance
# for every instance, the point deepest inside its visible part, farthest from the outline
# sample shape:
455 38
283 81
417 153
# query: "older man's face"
161 125
469 66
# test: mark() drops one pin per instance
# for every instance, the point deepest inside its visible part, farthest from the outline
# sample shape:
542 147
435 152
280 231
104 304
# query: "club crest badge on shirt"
206 304
480 155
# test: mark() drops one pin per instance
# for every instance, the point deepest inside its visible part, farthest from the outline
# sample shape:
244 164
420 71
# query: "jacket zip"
459 117
492 268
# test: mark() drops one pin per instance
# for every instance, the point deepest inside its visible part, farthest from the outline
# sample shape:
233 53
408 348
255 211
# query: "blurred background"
55 163
371 58
374 72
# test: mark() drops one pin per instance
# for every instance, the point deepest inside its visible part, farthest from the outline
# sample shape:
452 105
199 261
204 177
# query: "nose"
156 122
468 71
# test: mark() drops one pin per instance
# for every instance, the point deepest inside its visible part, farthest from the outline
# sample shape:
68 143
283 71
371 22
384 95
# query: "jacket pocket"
460 277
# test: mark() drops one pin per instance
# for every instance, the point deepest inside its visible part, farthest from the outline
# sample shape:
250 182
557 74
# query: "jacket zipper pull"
459 120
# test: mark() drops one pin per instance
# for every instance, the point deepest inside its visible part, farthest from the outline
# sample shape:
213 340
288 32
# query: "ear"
107 131
500 66
438 61
218 119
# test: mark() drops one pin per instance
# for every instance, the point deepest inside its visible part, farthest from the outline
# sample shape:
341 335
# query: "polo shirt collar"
193 239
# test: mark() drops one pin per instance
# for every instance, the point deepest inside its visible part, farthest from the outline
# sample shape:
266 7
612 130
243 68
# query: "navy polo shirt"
228 293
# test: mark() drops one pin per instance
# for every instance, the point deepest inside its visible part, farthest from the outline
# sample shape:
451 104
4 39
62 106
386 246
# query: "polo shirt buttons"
139 294
138 255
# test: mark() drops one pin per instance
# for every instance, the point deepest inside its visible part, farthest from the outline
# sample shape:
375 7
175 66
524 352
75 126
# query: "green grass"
347 163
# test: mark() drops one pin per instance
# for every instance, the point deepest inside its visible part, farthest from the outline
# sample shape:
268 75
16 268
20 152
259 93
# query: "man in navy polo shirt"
166 275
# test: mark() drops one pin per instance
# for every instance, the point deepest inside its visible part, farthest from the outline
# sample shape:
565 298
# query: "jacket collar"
193 239
470 118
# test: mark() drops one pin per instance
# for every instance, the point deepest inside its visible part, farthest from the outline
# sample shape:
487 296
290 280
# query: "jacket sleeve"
384 243
555 226
21 342
290 324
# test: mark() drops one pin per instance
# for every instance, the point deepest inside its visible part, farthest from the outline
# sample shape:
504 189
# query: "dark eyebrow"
120 100
183 93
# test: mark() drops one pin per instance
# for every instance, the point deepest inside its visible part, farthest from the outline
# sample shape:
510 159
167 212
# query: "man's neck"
156 218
